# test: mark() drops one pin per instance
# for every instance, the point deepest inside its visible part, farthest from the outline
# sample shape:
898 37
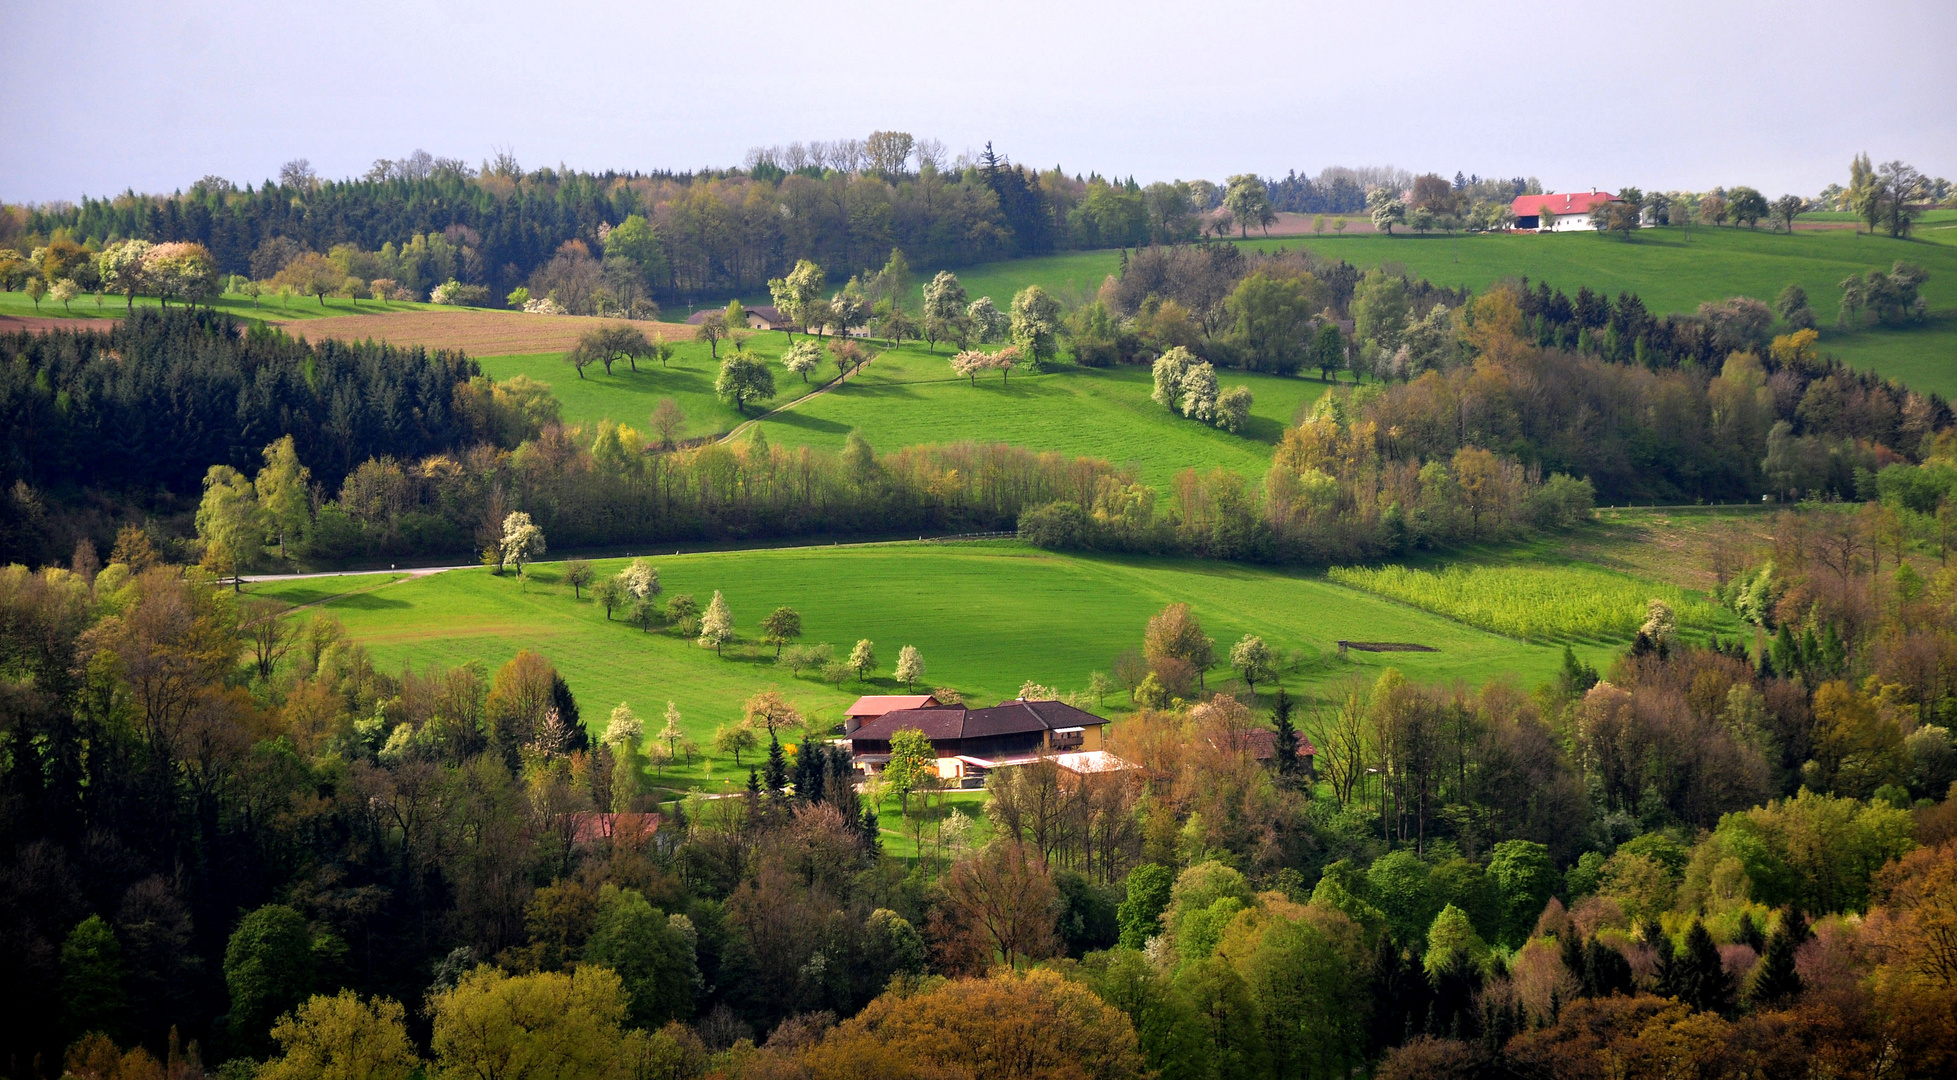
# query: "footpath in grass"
987 617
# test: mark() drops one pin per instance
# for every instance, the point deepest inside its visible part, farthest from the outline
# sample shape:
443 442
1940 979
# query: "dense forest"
233 840
716 232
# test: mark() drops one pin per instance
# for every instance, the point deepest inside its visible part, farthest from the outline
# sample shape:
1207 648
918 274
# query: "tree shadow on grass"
368 601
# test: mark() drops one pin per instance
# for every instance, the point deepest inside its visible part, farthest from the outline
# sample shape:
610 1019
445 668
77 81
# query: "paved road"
412 571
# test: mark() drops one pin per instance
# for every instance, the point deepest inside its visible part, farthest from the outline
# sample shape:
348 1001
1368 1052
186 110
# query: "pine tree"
753 785
777 767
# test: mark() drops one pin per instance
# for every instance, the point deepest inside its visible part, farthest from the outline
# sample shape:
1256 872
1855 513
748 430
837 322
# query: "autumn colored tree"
1001 906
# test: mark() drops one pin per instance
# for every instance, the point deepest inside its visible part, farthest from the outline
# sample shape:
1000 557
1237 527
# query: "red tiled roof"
1561 203
877 704
628 829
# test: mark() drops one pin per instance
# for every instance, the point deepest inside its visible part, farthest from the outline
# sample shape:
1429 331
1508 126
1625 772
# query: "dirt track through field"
478 333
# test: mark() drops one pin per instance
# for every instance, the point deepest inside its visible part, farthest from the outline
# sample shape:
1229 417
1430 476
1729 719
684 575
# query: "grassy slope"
909 395
302 307
1670 271
986 617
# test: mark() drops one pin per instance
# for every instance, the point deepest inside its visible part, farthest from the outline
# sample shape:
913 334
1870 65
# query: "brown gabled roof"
936 724
958 722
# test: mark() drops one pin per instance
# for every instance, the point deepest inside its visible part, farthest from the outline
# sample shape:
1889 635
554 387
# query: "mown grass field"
987 617
909 395
1546 603
1672 270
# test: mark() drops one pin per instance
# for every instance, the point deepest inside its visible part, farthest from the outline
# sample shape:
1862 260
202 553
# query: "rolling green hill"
909 395
986 616
1672 270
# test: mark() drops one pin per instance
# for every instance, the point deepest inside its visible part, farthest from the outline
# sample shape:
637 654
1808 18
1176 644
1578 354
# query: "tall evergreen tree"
776 775
1702 974
1775 979
1287 735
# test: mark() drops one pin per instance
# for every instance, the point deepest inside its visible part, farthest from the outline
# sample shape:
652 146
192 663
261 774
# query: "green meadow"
986 616
1672 270
909 395
114 306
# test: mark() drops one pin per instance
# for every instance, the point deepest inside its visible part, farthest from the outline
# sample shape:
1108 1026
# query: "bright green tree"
652 952
913 765
547 1026
863 658
93 994
783 625
1036 324
342 1038
744 378
228 521
284 489
268 969
1249 202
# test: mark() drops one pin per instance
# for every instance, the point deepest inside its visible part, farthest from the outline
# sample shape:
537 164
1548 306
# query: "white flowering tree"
522 540
623 735
640 579
717 624
970 363
802 358
910 665
987 321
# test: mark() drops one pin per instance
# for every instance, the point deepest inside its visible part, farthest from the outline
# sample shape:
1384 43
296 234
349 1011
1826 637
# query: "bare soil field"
478 333
41 324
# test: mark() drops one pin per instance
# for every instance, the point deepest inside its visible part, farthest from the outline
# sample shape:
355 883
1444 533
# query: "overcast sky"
111 95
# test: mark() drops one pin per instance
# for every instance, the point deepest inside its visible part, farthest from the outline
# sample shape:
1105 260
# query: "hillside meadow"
1673 270
986 616
909 395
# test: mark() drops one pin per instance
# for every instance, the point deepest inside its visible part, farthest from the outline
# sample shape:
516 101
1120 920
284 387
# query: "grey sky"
110 95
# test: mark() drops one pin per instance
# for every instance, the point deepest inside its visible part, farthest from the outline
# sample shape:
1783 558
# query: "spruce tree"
777 767
1749 933
1605 971
1571 948
1287 735
1702 973
872 832
1775 979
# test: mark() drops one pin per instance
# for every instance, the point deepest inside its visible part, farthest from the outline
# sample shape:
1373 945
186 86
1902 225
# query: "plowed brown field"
478 333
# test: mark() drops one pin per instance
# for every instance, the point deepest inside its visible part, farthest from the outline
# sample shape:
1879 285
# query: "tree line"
712 233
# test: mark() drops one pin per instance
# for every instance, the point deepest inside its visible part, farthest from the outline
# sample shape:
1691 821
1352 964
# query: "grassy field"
986 617
909 395
1536 602
268 307
1672 270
